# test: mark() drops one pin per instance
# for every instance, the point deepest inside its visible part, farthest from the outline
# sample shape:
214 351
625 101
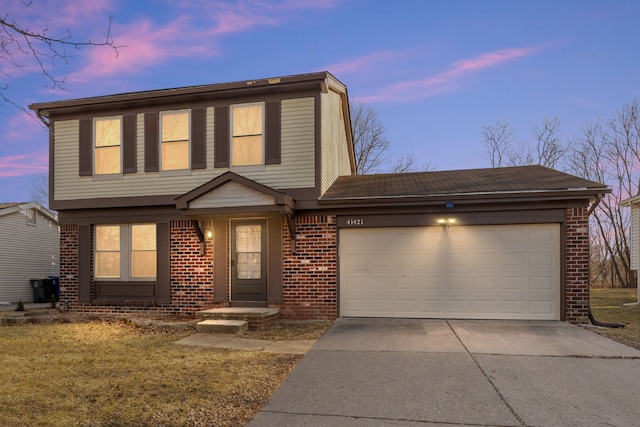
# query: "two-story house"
244 194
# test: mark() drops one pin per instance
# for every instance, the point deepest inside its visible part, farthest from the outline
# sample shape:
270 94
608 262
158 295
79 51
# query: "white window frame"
32 216
95 148
161 141
258 166
125 255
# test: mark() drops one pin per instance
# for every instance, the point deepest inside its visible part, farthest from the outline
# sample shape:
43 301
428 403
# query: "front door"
249 260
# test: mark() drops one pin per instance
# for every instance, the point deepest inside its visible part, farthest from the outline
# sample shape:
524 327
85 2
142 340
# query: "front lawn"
607 306
115 374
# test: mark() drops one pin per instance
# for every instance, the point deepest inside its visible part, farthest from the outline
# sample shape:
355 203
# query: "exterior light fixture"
446 222
209 234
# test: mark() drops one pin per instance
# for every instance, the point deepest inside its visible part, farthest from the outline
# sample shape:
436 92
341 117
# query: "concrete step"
243 313
258 317
213 326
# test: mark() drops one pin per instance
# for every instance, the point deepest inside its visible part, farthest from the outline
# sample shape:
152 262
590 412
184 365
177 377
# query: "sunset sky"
435 71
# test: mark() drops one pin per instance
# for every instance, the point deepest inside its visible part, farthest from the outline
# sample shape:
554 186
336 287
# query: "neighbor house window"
125 252
108 144
175 140
247 142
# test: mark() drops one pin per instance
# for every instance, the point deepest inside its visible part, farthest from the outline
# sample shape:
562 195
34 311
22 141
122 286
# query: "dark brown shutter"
274 258
151 142
129 143
272 137
198 140
221 140
84 264
86 147
163 268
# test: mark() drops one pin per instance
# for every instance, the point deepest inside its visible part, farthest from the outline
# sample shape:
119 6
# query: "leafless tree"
610 153
22 48
370 145
503 149
39 189
498 140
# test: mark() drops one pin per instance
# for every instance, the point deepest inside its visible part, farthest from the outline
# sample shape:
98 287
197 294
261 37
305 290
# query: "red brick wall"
69 263
191 275
577 265
310 275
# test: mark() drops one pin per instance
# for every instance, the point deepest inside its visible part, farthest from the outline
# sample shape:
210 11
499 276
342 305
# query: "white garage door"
472 272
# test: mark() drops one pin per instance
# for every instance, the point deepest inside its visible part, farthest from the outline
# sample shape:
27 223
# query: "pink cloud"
365 62
450 78
24 164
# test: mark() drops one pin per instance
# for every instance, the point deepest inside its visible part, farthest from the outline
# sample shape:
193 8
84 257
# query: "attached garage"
470 272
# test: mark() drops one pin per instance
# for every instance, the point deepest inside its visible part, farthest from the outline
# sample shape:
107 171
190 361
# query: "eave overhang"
468 198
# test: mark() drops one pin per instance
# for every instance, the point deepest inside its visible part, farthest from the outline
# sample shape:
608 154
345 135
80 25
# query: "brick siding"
577 265
310 275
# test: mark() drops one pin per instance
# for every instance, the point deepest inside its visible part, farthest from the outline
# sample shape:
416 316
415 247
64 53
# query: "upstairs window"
247 140
174 153
125 252
32 214
107 145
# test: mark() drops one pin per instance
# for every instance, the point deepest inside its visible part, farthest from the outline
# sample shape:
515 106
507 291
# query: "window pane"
108 264
247 150
247 120
249 265
175 155
175 126
107 237
107 160
107 132
143 237
248 238
143 264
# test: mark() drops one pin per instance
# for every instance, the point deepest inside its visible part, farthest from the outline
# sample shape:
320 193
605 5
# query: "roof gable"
9 208
232 190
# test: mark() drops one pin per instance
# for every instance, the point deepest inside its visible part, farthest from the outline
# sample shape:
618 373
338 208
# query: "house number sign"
355 221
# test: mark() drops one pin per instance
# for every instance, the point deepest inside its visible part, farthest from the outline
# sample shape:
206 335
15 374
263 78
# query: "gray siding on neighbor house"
26 251
296 170
635 236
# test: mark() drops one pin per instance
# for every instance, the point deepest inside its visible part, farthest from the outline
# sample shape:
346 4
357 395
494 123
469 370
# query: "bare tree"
610 153
498 141
549 148
370 145
39 189
22 47
503 149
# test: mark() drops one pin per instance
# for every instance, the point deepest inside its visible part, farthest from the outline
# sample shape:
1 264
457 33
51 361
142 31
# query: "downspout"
592 318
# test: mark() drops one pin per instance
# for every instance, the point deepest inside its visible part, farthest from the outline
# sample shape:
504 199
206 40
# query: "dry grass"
114 374
607 306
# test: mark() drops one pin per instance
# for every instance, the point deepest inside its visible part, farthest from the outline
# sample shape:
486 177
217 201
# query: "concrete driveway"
392 372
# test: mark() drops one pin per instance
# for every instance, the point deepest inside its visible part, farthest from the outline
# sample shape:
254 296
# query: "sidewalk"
233 342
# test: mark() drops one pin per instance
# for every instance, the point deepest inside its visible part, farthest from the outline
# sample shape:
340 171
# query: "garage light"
209 234
446 222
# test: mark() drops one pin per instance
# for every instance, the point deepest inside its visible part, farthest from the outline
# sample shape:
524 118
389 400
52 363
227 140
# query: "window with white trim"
247 139
32 214
174 143
125 252
107 136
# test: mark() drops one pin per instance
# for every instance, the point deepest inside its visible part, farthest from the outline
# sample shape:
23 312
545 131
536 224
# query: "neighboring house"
244 194
634 241
29 249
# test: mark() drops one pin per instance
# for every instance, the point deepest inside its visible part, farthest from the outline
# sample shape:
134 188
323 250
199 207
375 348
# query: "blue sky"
435 71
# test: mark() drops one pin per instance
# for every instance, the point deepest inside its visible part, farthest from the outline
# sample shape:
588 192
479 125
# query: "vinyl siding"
297 168
635 236
335 155
230 195
26 252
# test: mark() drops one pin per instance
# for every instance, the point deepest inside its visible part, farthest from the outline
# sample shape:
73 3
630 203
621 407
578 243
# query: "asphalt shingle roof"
470 181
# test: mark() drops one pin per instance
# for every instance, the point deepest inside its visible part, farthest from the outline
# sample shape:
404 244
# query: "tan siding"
335 154
230 195
297 169
26 251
